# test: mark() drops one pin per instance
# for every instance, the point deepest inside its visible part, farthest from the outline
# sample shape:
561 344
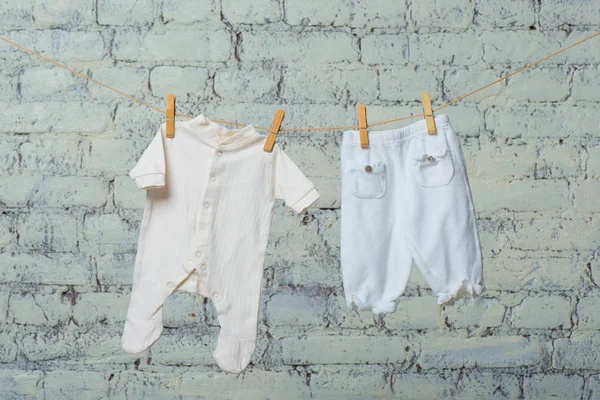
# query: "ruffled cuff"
467 286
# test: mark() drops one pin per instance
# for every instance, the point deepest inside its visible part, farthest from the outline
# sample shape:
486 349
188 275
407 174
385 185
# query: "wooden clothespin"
362 126
428 111
170 115
275 126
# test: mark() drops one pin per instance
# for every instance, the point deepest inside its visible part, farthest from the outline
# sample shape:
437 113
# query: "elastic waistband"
389 135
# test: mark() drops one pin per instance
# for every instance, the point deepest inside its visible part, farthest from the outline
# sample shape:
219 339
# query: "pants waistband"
390 135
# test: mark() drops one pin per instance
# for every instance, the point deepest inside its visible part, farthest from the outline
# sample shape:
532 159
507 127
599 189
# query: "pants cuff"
139 335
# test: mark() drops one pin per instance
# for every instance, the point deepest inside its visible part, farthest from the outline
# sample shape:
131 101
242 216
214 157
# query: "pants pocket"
368 181
432 163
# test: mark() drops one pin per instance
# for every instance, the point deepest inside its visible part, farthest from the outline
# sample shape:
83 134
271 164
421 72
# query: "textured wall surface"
70 215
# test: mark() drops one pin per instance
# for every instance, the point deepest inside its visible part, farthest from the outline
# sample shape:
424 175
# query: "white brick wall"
69 214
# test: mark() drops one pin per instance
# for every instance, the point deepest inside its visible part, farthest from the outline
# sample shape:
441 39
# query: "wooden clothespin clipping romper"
428 112
275 126
170 114
362 126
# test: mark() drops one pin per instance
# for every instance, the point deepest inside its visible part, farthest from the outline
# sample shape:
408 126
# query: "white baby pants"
407 197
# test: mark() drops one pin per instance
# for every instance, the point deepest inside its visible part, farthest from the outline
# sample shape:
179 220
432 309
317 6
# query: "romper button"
212 178
369 169
219 153
216 295
198 253
203 267
431 159
206 205
170 284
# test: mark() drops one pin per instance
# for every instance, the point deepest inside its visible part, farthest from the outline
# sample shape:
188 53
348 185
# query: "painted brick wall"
69 214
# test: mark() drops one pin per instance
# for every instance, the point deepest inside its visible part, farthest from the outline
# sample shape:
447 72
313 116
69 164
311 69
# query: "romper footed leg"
233 354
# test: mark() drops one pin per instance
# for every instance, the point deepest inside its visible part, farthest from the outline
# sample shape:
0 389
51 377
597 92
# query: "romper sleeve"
149 172
290 184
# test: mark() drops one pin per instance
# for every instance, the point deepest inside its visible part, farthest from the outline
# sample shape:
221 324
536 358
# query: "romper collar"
216 135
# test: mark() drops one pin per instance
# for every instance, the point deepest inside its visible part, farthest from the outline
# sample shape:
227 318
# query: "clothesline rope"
331 128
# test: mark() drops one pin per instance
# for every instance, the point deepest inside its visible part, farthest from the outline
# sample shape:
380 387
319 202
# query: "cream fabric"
205 229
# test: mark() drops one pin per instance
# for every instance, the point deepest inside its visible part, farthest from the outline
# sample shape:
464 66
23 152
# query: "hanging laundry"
407 197
205 229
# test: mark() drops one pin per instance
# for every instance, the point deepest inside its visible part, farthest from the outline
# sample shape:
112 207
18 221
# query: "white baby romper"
407 197
205 229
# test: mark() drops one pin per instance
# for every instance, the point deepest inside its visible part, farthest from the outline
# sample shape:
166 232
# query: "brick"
423 386
4 295
544 274
414 313
554 13
486 385
458 81
525 47
586 84
7 231
252 11
290 309
108 156
309 47
66 117
74 385
48 232
447 48
106 349
132 80
127 195
186 350
48 345
109 229
592 388
520 195
344 350
192 45
17 191
115 268
546 121
500 161
9 157
553 386
8 344
339 314
547 312
59 269
443 13
246 386
59 45
18 383
182 81
43 309
587 311
125 12
183 309
505 14
378 14
73 13
407 83
106 308
558 162
43 83
384 49
574 352
489 352
191 11
479 311
246 83
538 84
146 384
586 196
49 157
70 191
350 383
593 161
16 14
312 13
555 234
326 84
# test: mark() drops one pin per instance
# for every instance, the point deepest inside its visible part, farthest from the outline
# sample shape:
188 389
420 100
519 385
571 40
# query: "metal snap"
368 168
431 159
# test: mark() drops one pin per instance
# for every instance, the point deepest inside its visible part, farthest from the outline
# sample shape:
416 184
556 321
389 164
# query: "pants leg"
440 219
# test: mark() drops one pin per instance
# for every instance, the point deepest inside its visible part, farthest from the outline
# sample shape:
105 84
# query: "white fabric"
205 229
407 197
